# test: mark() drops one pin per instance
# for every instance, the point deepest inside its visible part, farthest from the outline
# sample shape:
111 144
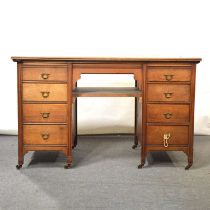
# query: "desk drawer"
44 92
166 74
168 92
45 134
168 113
45 73
44 113
177 135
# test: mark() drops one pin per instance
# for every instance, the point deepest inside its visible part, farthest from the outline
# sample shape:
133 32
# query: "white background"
104 28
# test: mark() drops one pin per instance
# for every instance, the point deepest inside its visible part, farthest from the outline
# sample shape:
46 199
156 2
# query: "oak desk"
164 102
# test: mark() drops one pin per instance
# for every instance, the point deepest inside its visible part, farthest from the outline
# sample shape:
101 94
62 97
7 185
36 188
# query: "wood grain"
44 113
104 59
179 93
57 134
20 115
169 74
45 73
179 135
168 113
33 92
104 68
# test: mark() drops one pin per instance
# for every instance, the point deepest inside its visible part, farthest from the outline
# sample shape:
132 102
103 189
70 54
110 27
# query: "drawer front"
44 113
168 92
106 67
45 134
166 74
168 113
45 73
173 135
44 92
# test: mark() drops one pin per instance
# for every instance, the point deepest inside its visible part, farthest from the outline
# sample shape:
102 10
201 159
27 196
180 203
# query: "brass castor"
18 167
188 166
67 166
140 166
134 146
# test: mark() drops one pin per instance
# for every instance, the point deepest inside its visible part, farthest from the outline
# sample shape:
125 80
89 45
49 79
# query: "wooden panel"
62 148
106 92
134 69
44 113
179 135
168 92
45 73
168 113
105 59
45 134
183 148
168 74
44 92
105 66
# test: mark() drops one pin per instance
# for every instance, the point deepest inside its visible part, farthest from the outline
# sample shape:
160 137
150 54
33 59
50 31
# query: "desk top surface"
105 59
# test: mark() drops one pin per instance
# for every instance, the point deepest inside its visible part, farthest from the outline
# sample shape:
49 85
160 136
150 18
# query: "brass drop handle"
45 136
168 95
168 115
45 115
45 75
45 94
168 77
166 137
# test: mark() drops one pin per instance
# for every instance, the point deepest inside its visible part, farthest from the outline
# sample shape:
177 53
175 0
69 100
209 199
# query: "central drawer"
168 113
45 134
44 92
168 92
44 113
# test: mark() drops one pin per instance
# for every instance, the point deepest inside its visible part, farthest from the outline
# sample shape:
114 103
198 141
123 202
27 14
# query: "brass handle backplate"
166 138
168 115
45 75
45 115
45 94
168 77
168 95
45 136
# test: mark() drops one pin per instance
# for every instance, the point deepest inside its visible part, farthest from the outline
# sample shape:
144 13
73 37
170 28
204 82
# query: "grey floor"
104 176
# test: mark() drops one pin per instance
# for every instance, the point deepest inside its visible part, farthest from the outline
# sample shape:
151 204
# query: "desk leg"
20 155
190 158
141 132
20 126
142 120
68 151
136 125
75 123
136 122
